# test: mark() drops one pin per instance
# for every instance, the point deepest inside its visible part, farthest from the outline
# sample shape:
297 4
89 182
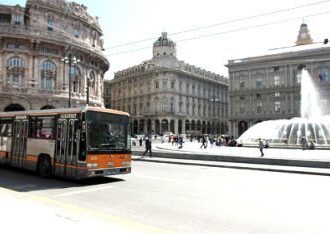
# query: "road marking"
138 227
157 178
83 191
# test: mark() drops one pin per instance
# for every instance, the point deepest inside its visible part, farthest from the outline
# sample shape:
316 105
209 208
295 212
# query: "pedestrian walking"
304 143
148 147
180 142
203 139
312 145
261 147
140 141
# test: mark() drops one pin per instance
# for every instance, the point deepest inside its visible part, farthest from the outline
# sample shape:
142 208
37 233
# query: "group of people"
205 140
305 145
217 141
176 140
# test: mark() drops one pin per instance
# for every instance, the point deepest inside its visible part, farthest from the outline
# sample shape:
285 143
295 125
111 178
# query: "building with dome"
46 49
165 94
267 86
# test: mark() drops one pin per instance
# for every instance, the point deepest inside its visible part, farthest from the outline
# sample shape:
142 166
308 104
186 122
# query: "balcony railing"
31 32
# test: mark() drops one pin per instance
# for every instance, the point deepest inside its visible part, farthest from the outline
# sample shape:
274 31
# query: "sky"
198 27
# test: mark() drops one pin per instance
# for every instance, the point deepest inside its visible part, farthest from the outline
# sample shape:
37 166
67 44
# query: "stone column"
146 126
183 126
176 126
3 74
153 125
34 71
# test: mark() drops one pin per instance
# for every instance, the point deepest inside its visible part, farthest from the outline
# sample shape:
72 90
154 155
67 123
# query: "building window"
242 108
76 33
323 72
172 105
241 84
48 75
157 84
259 107
164 84
277 94
16 46
15 72
258 83
298 78
50 25
180 86
172 84
18 19
277 106
276 80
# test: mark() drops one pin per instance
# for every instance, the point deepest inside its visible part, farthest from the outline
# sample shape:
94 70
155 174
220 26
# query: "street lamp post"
90 78
70 58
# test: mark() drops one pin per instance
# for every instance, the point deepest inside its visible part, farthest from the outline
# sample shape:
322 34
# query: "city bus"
73 142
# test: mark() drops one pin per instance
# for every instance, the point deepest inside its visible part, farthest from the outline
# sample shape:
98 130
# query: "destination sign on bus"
21 117
68 116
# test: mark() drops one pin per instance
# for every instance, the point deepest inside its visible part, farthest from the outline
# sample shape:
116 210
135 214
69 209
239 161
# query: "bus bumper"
109 171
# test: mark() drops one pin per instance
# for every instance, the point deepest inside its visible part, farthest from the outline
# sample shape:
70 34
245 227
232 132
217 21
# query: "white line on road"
83 191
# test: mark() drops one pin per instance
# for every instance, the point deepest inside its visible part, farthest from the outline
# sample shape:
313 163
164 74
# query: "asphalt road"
193 199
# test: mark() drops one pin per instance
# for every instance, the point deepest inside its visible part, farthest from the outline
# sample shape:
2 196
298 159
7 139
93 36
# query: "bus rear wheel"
44 167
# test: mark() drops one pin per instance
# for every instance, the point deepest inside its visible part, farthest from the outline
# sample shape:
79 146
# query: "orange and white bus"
74 142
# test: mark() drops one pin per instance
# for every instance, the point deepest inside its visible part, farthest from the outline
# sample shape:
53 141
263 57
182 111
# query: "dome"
164 41
164 46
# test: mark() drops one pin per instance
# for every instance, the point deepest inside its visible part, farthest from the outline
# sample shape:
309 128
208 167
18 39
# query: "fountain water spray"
312 125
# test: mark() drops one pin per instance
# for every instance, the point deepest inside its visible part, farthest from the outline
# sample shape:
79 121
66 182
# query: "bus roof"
61 111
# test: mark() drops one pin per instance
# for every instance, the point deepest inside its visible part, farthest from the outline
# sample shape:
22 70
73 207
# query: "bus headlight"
92 165
126 164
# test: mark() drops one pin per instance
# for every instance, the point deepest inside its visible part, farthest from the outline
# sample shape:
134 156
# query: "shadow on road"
25 181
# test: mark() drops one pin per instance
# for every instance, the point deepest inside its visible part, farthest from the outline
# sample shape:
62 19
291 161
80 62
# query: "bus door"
18 144
67 145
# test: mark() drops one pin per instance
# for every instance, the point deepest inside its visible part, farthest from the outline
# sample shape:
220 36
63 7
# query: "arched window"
75 78
15 72
48 75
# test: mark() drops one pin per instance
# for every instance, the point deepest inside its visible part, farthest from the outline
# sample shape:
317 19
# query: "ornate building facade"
165 94
267 87
35 42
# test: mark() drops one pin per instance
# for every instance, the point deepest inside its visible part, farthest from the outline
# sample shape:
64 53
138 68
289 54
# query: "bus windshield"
107 131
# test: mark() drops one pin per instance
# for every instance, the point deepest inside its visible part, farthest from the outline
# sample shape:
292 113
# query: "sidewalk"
286 160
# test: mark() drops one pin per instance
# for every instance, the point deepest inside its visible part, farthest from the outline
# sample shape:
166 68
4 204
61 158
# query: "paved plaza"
278 153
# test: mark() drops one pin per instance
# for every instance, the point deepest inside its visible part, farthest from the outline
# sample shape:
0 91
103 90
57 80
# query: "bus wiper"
101 146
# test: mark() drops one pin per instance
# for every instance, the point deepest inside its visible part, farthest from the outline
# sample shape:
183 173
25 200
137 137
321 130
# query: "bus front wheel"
44 167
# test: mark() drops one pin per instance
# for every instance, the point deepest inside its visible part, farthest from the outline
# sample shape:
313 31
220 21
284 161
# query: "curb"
239 159
256 167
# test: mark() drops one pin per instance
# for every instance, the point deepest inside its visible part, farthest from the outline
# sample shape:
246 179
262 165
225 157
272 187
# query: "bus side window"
45 127
5 129
33 127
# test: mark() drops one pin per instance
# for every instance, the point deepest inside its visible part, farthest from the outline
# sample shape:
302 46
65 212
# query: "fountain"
312 125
